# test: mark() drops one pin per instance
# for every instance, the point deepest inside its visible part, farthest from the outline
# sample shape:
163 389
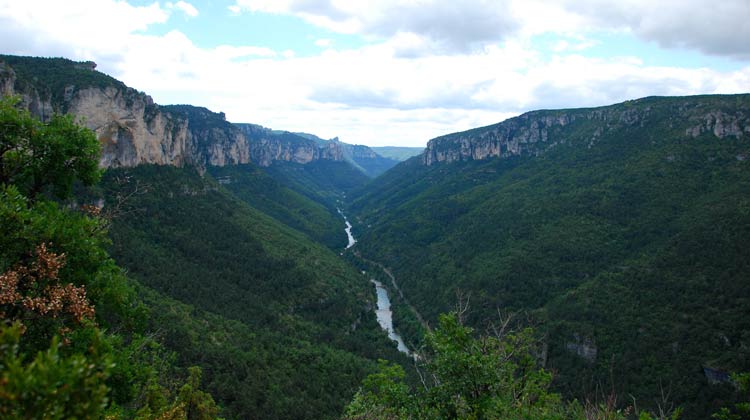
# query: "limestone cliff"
267 146
535 132
134 130
360 156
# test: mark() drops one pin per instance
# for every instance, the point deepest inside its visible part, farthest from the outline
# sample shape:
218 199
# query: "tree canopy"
38 157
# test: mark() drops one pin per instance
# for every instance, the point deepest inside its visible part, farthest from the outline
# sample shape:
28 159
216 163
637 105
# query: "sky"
393 72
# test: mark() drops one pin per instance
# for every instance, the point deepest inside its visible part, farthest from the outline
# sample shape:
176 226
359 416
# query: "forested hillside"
171 264
275 314
623 237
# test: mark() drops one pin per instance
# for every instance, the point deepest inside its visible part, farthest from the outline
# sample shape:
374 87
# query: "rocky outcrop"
7 79
535 132
721 125
133 130
268 146
582 347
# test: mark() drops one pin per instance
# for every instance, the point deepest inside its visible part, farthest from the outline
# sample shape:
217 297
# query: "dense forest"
597 269
629 255
278 324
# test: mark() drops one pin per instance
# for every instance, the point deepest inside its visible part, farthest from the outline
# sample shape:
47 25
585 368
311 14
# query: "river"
348 230
383 313
385 316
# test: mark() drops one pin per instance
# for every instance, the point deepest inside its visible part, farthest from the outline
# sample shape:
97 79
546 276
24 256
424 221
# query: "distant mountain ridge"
134 130
305 145
397 152
535 132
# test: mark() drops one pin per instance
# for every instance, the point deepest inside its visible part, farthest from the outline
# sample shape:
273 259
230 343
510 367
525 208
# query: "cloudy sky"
393 72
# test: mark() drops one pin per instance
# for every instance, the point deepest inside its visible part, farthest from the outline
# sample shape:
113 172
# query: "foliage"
52 385
274 320
28 293
36 156
741 409
327 182
463 377
636 244
57 285
51 78
253 186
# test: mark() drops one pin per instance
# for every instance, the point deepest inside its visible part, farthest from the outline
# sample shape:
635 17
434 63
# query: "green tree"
58 285
39 157
741 409
464 377
52 385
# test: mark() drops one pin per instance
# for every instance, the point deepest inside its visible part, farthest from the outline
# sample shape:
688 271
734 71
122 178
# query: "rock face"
267 146
535 132
133 130
583 347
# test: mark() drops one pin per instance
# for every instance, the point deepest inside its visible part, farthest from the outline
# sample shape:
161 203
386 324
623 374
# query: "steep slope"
326 182
623 230
233 270
248 277
301 211
269 146
132 129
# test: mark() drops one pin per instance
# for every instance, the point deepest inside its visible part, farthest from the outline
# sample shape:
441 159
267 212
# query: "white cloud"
447 26
413 83
323 43
77 29
718 28
567 45
185 7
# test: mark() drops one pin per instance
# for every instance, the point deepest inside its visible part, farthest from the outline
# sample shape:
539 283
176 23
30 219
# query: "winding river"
383 312
348 230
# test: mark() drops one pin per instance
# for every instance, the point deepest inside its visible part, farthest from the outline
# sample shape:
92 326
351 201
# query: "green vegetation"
39 158
253 186
277 322
328 182
72 343
53 77
486 377
635 247
625 245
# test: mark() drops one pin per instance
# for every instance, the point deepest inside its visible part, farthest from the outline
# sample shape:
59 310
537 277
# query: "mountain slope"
301 212
623 230
245 276
326 182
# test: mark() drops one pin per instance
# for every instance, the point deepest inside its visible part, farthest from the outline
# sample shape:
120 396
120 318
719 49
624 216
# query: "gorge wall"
133 130
535 132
